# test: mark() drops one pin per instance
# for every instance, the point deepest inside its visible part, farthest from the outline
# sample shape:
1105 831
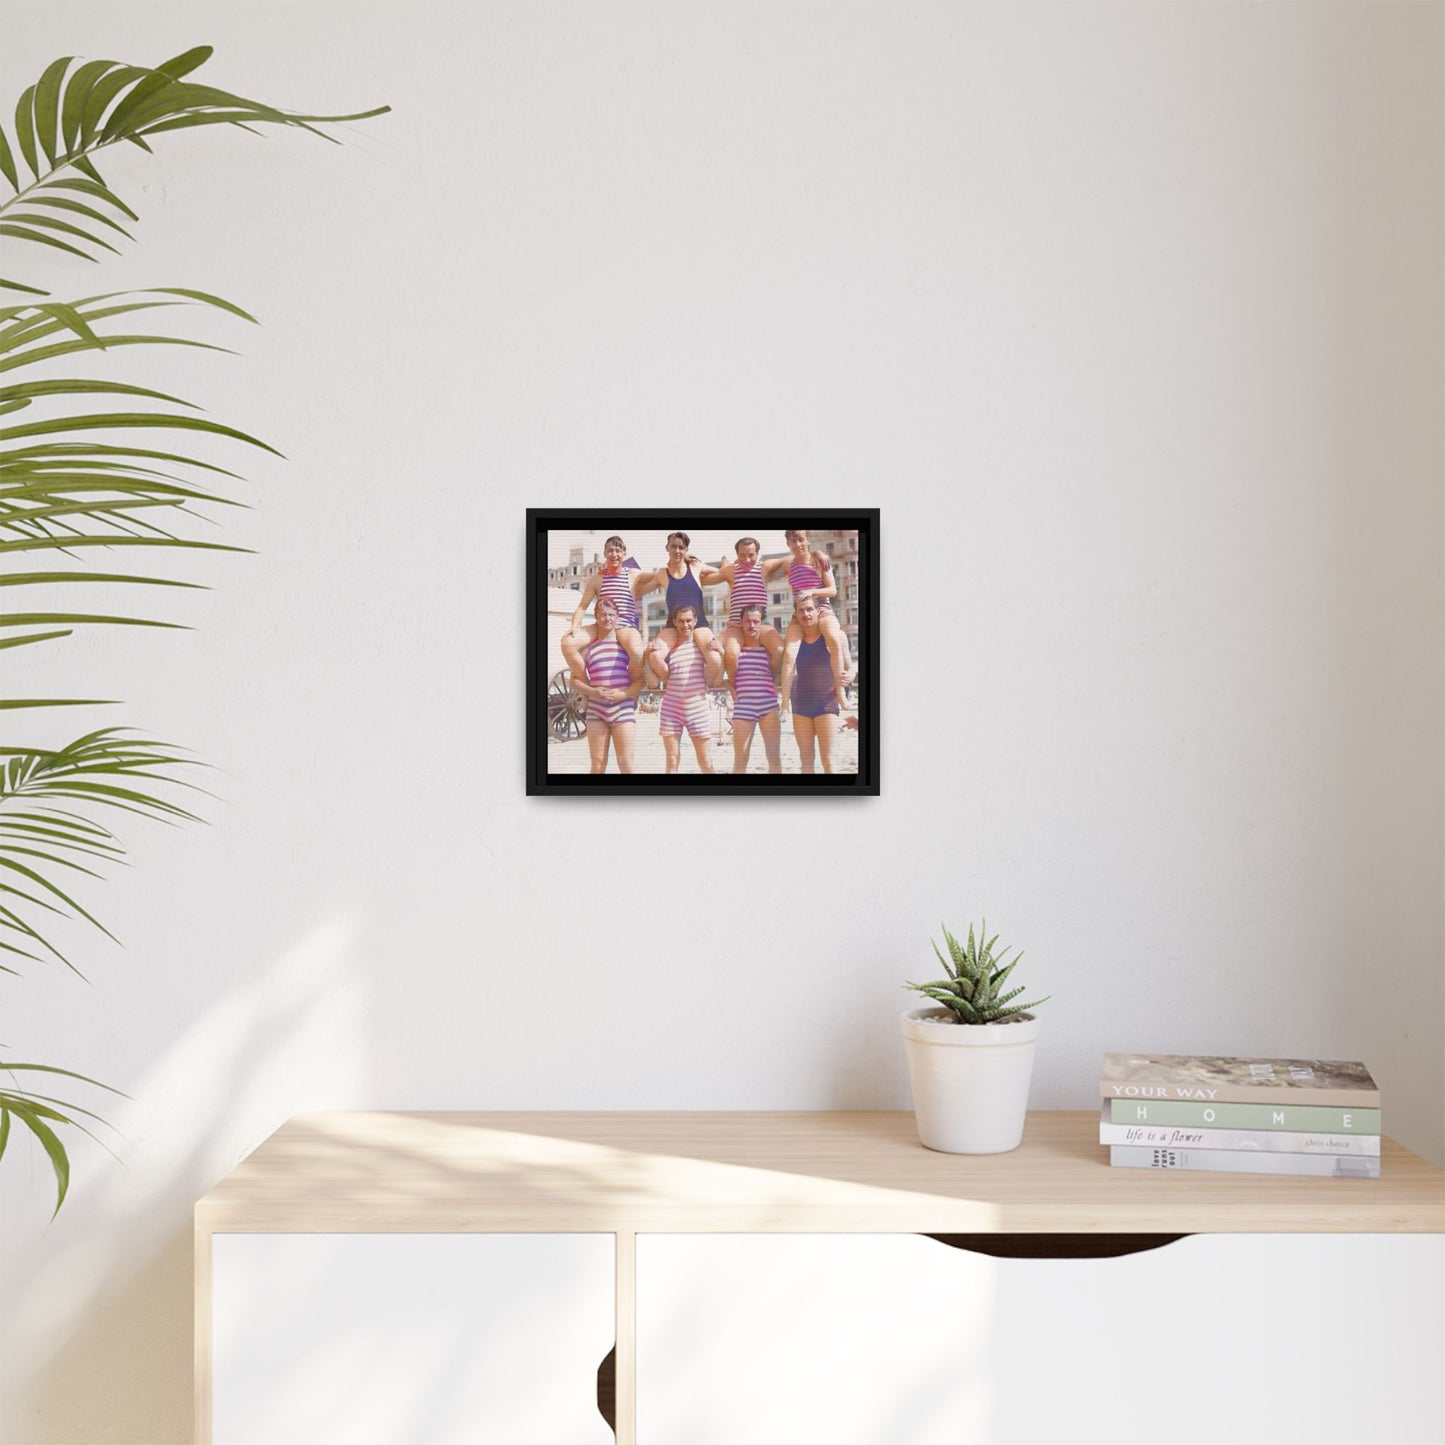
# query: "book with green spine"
1312 1118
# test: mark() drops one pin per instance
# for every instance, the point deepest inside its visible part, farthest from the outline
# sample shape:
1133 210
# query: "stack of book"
1243 1116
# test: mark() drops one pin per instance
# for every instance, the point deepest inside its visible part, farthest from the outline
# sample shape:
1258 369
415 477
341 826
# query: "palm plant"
75 485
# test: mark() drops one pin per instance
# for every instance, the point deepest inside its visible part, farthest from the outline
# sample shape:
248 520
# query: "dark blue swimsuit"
814 691
684 591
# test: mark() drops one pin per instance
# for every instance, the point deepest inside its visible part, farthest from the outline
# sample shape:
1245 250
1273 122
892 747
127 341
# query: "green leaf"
27 579
78 208
102 93
25 130
20 286
99 192
87 167
153 85
76 91
22 233
117 420
30 638
8 1067
47 108
67 348
65 543
50 1142
33 389
948 968
187 61
12 704
54 223
76 619
7 161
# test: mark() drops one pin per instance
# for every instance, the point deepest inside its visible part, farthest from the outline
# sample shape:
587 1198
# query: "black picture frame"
541 783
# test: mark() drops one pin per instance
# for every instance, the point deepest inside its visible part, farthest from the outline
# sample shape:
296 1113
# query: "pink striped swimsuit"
757 693
608 665
617 586
684 700
748 590
803 578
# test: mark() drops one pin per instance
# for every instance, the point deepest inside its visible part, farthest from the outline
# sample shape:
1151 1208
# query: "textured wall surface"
1127 317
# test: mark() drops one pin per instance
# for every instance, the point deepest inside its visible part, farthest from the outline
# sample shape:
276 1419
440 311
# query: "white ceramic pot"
970 1081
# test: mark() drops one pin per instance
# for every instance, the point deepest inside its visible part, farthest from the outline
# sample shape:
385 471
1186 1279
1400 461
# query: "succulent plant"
973 988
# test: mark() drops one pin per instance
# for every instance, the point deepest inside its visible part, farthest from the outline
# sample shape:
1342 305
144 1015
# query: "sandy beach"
573 757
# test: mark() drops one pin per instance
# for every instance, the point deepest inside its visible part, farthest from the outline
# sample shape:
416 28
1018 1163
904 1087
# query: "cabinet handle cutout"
1056 1246
607 1389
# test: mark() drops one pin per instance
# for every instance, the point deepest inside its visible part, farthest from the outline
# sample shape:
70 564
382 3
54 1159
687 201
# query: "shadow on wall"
98 1340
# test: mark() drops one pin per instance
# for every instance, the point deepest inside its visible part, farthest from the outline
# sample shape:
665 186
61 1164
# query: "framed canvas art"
711 651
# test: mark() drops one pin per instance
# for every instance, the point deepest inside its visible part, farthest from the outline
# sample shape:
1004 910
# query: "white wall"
1129 319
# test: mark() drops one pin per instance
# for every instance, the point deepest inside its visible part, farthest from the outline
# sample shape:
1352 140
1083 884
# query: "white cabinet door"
396 1339
877 1339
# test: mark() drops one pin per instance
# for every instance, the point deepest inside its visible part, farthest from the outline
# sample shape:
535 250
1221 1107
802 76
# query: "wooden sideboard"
627 1175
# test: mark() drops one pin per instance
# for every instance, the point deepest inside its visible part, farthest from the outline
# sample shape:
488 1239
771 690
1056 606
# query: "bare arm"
588 593
824 568
774 644
644 582
774 565
790 666
723 572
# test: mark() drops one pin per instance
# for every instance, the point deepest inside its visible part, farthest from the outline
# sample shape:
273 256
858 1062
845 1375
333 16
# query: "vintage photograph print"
710 651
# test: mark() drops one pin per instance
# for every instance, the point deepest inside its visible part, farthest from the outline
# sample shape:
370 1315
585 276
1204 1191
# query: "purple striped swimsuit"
803 578
757 693
684 700
617 586
748 589
609 666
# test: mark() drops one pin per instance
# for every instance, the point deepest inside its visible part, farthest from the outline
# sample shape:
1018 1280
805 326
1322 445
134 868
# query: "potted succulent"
971 1057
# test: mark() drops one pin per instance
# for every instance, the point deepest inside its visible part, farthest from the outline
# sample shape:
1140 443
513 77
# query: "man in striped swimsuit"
752 670
623 585
814 578
684 700
747 580
610 678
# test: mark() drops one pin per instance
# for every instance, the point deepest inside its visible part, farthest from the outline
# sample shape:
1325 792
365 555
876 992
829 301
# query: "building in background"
841 548
575 572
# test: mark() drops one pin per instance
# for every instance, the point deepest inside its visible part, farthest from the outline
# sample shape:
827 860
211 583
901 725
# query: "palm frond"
64 491
74 111
41 1113
110 768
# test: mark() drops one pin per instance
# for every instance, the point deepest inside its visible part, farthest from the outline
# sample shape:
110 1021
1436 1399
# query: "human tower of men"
801 674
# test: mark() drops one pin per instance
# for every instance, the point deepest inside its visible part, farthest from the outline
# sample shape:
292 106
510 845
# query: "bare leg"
713 664
597 735
803 731
624 739
704 756
671 746
826 729
732 645
656 660
631 640
742 744
574 647
772 731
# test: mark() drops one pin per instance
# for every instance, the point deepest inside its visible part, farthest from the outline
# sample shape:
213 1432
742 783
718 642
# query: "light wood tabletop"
749 1172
